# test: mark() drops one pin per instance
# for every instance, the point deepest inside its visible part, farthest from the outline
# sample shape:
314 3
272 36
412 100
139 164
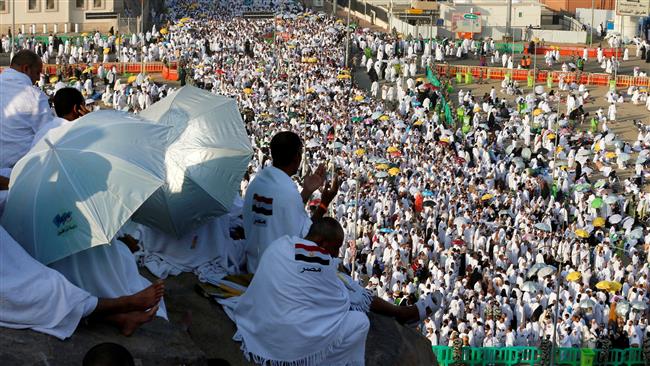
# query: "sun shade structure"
206 160
78 186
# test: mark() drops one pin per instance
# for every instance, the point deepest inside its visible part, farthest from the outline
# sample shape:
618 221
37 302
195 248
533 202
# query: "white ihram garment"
33 296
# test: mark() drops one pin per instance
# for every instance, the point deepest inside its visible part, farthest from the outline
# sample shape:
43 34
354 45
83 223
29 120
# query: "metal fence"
127 25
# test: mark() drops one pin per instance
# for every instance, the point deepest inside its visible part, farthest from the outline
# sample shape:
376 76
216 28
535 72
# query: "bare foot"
129 322
146 298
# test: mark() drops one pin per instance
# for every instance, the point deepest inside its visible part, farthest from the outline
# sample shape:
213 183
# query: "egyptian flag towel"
294 309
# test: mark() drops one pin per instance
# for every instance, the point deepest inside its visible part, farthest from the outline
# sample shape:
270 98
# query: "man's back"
295 298
24 109
272 208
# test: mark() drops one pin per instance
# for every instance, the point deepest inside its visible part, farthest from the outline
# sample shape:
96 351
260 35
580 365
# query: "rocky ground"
198 333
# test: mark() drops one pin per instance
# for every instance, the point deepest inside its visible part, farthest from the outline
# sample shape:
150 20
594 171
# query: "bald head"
28 63
327 233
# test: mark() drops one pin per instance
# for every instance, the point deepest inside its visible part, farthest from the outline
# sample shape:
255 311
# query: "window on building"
32 5
80 4
50 5
97 3
3 6
521 14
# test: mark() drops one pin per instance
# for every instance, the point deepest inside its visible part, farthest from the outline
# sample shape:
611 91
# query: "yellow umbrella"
248 90
418 123
310 90
312 60
87 70
346 72
259 69
384 118
183 20
358 98
537 112
343 76
107 50
598 222
419 80
486 197
581 233
131 79
615 286
393 171
360 152
382 166
550 136
84 34
573 276
597 148
558 149
54 79
602 285
164 31
610 155
392 149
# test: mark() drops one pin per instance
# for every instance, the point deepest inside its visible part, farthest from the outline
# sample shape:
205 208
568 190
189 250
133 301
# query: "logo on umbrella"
64 223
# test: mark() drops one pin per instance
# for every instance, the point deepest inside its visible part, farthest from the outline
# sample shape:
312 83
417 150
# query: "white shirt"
273 207
24 109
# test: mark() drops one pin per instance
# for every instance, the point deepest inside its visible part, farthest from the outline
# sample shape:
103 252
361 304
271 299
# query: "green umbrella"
597 202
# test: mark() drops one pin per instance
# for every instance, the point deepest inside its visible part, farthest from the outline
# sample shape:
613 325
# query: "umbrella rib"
38 190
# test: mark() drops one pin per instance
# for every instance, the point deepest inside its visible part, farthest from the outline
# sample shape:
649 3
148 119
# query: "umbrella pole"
556 310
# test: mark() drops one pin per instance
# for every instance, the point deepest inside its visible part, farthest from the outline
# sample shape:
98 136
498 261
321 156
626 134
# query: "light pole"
13 28
144 39
591 27
347 35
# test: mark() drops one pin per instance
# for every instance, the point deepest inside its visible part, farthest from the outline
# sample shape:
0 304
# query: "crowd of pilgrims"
443 190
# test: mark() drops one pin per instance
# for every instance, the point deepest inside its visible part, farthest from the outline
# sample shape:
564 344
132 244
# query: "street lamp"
347 35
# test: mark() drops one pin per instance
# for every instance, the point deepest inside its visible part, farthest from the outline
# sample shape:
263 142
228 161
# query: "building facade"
570 6
67 16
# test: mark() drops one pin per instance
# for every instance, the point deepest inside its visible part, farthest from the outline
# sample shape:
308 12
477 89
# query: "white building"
494 14
47 16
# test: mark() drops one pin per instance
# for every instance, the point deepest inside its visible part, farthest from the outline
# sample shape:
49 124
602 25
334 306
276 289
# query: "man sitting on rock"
39 298
299 309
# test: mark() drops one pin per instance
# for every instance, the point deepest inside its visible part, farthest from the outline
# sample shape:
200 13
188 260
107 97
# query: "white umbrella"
529 286
206 161
547 270
587 304
622 307
639 305
610 200
78 186
525 153
543 226
628 223
615 219
534 269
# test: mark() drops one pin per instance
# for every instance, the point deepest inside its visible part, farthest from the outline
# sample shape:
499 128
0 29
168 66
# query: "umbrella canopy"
78 186
581 233
587 304
598 222
460 221
487 197
574 276
543 226
615 219
610 286
534 269
206 160
546 271
529 286
381 174
639 305
597 202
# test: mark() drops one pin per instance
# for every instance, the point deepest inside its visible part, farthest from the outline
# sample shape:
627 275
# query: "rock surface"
210 337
